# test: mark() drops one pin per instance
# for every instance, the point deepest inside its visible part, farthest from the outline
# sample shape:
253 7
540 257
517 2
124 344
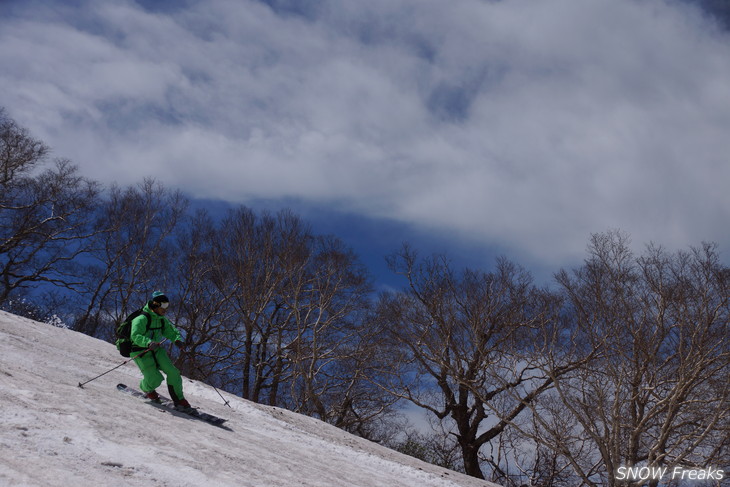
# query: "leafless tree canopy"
131 253
658 392
473 345
44 214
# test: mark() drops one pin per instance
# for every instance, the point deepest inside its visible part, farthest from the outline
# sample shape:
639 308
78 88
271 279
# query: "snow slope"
54 433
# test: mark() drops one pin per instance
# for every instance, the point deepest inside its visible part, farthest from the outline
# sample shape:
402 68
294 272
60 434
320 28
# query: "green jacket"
143 332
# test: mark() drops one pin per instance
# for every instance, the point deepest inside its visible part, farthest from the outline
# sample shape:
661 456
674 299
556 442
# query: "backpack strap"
146 315
149 321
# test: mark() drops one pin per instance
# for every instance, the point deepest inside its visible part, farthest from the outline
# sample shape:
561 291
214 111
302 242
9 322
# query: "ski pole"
227 403
81 385
221 395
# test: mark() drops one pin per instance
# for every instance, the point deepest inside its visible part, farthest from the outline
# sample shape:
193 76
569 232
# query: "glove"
180 344
154 345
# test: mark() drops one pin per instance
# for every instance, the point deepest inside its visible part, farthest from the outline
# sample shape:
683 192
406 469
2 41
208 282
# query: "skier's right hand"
154 345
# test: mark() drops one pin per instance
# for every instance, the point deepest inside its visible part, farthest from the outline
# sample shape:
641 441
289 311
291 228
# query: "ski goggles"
163 305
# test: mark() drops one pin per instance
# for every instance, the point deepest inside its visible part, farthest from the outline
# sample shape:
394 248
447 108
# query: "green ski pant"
151 363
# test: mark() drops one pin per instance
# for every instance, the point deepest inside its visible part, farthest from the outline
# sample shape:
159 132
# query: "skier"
148 334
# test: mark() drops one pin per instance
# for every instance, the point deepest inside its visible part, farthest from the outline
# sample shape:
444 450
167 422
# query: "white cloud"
521 124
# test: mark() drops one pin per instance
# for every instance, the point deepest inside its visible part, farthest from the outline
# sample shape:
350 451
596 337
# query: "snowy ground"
53 433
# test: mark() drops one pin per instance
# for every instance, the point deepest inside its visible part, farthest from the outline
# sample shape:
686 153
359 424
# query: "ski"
168 405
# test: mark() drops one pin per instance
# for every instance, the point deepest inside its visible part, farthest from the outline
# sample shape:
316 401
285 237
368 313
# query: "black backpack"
124 330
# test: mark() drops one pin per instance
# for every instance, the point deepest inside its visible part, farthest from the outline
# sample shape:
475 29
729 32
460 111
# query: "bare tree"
132 253
658 393
335 352
254 258
473 342
20 153
297 336
44 215
203 312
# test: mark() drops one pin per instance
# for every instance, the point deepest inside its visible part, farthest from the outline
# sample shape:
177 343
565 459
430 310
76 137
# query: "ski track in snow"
53 433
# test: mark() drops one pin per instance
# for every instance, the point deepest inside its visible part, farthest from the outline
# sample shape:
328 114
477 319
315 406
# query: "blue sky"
474 127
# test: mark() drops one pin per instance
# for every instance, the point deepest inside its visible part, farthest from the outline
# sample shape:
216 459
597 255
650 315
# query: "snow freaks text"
677 473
